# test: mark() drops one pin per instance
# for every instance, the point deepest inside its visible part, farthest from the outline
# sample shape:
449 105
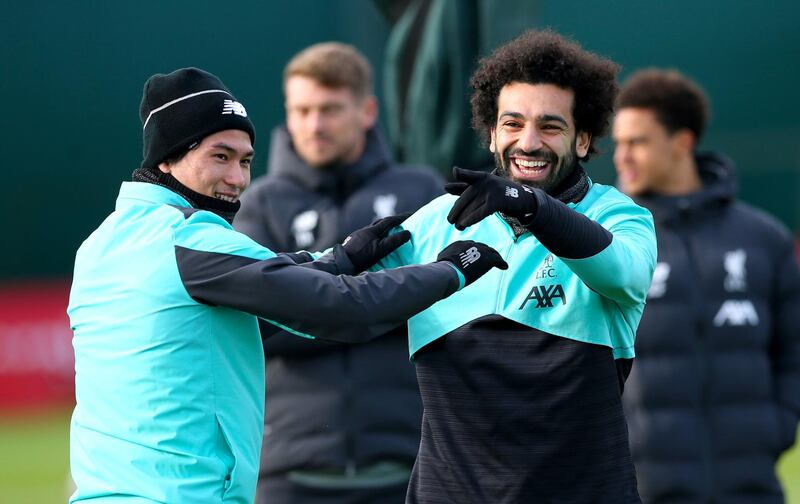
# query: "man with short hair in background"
714 397
342 421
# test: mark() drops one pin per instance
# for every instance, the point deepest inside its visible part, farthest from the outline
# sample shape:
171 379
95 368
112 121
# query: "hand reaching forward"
472 259
368 245
482 194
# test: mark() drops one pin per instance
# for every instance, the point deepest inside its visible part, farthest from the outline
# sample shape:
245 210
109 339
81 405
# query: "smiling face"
534 140
218 167
646 156
328 126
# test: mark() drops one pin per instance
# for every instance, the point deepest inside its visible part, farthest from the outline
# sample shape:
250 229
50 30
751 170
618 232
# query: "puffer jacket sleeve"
785 347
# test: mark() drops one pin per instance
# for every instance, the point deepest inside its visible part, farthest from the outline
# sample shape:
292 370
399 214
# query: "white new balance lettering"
469 256
512 191
233 107
736 312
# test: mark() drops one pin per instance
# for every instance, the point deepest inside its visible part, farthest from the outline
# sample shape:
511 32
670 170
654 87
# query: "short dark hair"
333 65
678 102
545 57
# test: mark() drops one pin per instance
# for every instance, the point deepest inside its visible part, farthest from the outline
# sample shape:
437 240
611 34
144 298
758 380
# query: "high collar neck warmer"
224 209
571 190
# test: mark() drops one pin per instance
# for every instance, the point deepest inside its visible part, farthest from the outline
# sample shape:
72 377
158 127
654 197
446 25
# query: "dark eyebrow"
541 118
515 115
551 117
224 146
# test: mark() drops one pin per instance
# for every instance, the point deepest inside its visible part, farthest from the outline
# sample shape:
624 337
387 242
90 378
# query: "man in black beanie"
178 111
169 366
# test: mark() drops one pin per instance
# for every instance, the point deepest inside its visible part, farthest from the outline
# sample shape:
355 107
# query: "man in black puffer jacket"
342 421
714 396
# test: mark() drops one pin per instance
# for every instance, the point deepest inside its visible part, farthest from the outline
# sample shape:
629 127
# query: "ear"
684 141
164 167
369 112
582 143
492 146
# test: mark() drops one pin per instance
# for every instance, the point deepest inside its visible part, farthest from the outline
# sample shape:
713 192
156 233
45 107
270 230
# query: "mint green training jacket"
168 358
597 299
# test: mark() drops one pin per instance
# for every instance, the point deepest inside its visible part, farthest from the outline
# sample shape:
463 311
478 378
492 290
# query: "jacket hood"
718 175
338 180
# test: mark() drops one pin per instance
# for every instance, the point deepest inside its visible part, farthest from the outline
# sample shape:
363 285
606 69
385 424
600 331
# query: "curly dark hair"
678 102
545 57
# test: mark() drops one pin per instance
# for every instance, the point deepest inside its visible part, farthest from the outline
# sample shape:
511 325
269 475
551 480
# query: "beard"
561 166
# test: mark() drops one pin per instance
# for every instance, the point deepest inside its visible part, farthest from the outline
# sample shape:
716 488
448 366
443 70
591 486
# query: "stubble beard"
562 167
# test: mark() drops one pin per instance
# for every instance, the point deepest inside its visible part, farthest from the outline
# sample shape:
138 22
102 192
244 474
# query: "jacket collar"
337 181
573 188
132 192
224 209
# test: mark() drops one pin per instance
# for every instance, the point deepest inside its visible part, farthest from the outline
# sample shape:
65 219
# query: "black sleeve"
276 341
313 301
565 232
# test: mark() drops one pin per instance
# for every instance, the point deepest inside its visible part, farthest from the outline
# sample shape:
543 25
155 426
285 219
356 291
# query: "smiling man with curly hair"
521 378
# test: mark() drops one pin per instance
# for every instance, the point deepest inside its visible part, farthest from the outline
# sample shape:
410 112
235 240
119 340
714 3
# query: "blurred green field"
34 457
34 460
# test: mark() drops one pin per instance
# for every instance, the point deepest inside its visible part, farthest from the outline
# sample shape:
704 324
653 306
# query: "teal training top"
597 299
169 391
169 366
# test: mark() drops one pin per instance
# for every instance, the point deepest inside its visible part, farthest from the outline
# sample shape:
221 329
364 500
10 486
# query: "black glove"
482 194
473 259
368 245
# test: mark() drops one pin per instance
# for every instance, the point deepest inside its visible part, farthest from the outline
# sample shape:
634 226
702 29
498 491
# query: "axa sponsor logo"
545 296
736 312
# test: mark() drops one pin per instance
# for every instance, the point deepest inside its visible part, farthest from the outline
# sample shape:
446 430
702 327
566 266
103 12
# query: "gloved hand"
368 245
482 194
472 259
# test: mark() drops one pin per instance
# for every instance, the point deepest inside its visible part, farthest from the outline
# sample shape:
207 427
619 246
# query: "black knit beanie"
181 108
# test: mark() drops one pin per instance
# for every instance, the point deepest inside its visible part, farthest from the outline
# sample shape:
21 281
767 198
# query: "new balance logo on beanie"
233 107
